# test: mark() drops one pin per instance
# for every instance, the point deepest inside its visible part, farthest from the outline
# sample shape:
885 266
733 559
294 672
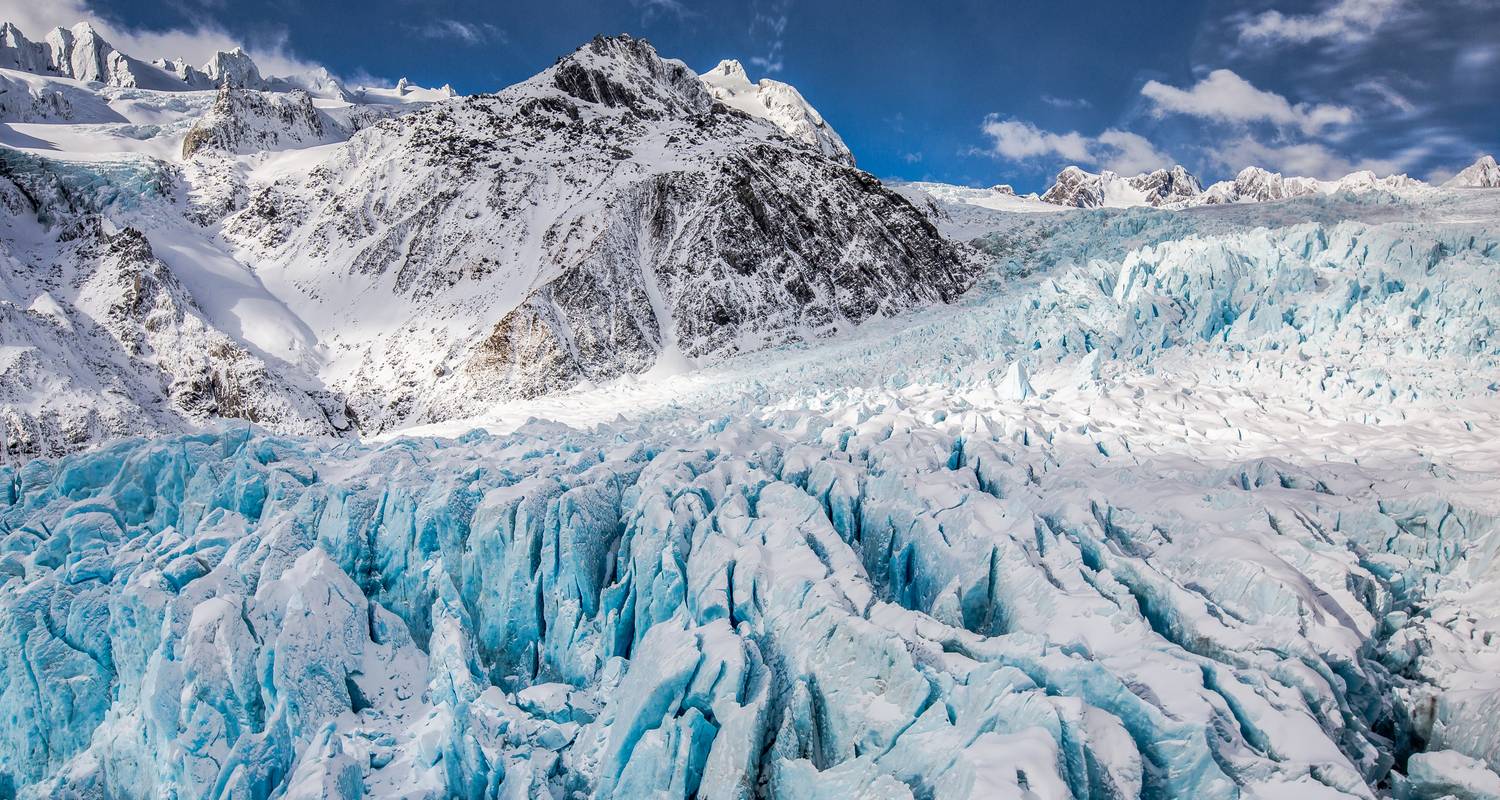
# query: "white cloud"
1227 97
1309 159
197 44
1386 94
1017 140
1130 153
468 33
1120 151
1344 21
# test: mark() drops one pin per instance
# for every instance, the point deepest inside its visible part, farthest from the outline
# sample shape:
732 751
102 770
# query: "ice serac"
778 102
1482 174
581 225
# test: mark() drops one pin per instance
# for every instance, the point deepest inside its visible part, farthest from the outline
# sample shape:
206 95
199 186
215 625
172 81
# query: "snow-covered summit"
778 102
1079 188
1076 187
591 221
1482 174
1258 185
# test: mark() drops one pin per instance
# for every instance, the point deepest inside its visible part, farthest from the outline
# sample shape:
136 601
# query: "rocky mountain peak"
233 68
1075 187
1164 186
1082 189
1482 174
18 52
626 72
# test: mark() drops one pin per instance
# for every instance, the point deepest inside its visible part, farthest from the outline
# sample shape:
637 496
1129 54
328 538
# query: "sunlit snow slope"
1195 504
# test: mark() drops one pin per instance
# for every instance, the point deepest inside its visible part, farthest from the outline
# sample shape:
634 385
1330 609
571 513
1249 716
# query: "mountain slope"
584 224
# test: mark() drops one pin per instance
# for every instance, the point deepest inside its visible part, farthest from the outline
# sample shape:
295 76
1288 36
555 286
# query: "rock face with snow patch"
248 121
577 226
101 338
1482 174
1081 189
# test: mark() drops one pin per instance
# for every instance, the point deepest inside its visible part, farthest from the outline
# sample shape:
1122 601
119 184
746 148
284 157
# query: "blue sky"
957 90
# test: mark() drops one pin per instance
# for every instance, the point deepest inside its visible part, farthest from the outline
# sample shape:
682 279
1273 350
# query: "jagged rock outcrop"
82 54
247 120
18 52
577 226
1164 186
1482 174
1082 189
778 102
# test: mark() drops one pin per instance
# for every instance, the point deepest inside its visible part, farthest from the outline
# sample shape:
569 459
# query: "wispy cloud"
1385 94
1120 151
1226 97
770 26
651 9
1066 102
1344 21
467 33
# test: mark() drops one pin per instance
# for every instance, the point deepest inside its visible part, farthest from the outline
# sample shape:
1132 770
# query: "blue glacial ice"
1190 515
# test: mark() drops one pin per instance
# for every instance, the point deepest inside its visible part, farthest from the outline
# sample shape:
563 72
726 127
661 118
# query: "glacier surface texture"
1171 505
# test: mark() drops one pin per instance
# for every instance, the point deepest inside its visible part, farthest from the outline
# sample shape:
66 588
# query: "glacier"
1173 504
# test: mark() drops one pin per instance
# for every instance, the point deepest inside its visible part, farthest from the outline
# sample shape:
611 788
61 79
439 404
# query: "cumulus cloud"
1344 21
1226 97
1017 140
1116 150
197 44
467 33
1129 153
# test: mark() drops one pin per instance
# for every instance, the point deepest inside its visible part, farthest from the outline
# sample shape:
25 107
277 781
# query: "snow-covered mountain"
1482 174
1256 185
1077 188
601 218
408 263
1080 189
